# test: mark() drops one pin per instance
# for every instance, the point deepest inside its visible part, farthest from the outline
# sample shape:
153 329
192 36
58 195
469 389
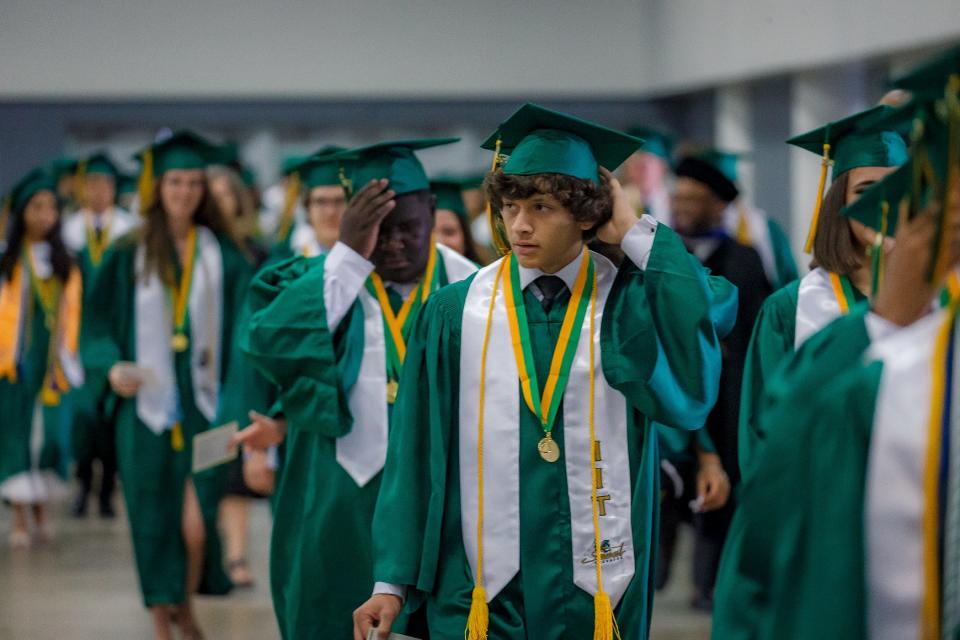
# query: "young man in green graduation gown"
88 232
331 333
519 510
848 521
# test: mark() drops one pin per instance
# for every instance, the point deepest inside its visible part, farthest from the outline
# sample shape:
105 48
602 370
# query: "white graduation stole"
363 451
817 305
157 401
501 460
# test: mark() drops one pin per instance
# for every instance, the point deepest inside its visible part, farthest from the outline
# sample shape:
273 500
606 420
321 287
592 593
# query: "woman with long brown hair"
40 300
159 328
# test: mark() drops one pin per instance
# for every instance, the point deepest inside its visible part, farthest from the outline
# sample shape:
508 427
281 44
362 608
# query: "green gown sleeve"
107 325
793 565
772 341
287 339
661 333
782 255
407 520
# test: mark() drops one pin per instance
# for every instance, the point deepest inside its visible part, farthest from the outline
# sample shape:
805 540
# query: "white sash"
157 402
363 452
817 305
501 458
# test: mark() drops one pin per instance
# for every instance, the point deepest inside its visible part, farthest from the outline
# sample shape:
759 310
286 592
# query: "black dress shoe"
79 507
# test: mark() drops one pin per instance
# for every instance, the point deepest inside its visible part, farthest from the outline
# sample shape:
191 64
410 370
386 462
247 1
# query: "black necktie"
551 287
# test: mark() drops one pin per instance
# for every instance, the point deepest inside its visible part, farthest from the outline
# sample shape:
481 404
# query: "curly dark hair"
585 199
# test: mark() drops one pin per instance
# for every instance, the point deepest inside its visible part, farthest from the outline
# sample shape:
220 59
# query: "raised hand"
624 217
360 226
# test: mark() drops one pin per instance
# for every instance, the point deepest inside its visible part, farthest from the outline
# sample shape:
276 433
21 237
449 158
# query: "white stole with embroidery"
501 459
157 401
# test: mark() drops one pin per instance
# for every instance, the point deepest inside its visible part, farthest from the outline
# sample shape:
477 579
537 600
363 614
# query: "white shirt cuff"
344 273
350 266
385 588
637 243
879 327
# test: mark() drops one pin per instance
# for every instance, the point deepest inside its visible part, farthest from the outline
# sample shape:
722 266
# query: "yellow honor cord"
96 246
181 293
563 339
177 442
478 620
930 613
812 233
395 322
841 296
744 236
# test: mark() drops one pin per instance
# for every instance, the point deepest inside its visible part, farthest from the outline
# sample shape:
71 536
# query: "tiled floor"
83 587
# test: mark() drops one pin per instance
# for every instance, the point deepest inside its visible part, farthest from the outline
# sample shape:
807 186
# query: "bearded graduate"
331 333
172 292
520 494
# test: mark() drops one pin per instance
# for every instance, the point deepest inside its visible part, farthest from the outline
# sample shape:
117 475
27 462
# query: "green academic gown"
793 566
19 400
672 311
321 553
152 471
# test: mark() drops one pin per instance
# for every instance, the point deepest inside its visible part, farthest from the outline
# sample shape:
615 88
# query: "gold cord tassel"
80 184
497 232
478 621
176 437
145 184
825 164
289 206
603 616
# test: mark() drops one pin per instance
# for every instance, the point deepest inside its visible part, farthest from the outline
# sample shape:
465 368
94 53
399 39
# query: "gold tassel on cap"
80 184
145 184
808 246
289 206
498 234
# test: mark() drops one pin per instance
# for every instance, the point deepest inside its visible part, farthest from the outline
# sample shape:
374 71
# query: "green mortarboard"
229 154
929 79
126 183
885 194
449 194
321 169
289 164
657 142
855 143
726 162
538 140
182 150
62 166
37 180
101 163
393 160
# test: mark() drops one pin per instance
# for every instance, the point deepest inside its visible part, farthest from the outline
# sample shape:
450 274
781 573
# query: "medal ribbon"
398 324
97 246
843 290
546 407
181 294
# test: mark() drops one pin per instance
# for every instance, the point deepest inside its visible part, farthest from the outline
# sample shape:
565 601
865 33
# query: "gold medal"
549 449
179 342
392 388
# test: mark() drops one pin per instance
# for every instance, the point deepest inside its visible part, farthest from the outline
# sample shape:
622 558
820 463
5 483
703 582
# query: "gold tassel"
289 206
176 437
498 234
145 185
80 184
744 236
478 621
825 164
602 616
49 397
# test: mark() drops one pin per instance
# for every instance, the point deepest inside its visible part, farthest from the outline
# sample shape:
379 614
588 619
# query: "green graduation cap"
100 163
37 180
289 163
538 140
657 142
126 184
929 79
182 150
856 142
229 154
322 169
394 160
64 165
449 194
